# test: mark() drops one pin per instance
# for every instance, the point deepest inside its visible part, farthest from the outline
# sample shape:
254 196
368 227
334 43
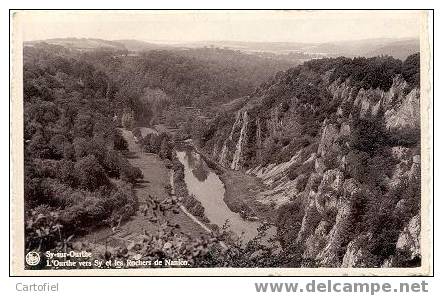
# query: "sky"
190 26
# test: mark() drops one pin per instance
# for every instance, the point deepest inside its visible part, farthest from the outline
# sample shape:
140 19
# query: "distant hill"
274 47
399 49
81 43
396 48
288 51
138 45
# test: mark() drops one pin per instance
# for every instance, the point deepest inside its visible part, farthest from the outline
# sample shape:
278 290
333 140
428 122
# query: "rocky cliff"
339 151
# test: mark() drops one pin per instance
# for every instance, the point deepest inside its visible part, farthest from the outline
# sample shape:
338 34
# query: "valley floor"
156 177
240 193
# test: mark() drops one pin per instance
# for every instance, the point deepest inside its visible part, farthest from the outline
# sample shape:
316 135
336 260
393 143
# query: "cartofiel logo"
32 258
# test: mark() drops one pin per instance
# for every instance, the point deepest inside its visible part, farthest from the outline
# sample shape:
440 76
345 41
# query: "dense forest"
76 175
152 82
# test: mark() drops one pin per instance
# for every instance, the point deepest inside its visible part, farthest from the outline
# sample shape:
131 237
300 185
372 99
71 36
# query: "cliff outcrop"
342 153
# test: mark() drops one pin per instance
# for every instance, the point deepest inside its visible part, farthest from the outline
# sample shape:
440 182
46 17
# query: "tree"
411 70
89 173
84 125
57 144
127 120
165 150
153 102
38 146
82 147
128 173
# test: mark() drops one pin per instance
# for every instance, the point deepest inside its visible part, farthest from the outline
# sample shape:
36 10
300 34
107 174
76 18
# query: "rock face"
236 159
353 166
356 254
399 111
329 135
409 239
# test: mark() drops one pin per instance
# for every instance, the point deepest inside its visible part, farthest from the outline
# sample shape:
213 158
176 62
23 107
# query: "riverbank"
211 195
155 184
241 191
240 196
192 205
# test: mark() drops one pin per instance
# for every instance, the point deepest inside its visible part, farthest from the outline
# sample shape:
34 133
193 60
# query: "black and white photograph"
223 142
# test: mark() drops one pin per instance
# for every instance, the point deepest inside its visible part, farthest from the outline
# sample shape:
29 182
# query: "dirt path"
156 177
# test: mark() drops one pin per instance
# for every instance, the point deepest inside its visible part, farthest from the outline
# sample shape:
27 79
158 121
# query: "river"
207 187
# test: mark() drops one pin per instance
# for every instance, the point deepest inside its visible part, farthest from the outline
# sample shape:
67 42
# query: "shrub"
368 134
84 125
82 147
296 170
42 229
128 173
165 149
411 70
123 201
127 120
112 162
289 221
120 142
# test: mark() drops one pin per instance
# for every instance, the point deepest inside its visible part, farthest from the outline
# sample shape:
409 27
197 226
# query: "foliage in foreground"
169 242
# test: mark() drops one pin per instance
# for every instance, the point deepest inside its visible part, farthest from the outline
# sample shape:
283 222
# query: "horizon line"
171 42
